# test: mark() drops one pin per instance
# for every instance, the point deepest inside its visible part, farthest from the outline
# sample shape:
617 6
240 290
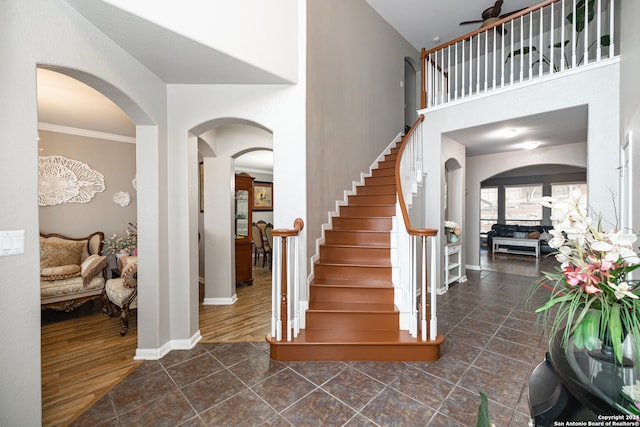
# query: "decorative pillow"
55 254
534 235
61 272
130 275
92 266
520 234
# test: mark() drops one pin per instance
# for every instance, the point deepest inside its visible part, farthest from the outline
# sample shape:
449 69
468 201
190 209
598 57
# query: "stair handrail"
425 232
412 144
440 64
285 296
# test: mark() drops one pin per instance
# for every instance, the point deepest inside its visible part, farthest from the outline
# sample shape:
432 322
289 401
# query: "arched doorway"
230 146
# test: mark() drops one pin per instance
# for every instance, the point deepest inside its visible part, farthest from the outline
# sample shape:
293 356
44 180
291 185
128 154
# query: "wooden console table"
513 244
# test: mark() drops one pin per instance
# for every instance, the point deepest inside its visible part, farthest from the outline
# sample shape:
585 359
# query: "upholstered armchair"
121 293
72 270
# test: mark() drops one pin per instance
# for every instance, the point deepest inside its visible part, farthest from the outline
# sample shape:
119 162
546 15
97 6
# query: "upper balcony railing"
551 37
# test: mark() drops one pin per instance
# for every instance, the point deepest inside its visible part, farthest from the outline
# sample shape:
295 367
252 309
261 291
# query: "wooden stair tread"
369 263
366 283
356 246
359 307
324 336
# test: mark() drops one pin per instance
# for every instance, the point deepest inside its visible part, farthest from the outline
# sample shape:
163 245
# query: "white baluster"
433 322
513 60
464 83
521 46
530 15
612 49
562 37
479 42
541 44
574 45
449 71
552 52
455 79
423 289
585 55
495 55
599 31
502 59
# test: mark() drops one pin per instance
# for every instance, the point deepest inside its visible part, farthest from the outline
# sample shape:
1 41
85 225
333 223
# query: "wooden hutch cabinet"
243 220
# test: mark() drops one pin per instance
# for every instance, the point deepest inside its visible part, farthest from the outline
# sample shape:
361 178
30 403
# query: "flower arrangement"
127 244
452 229
592 293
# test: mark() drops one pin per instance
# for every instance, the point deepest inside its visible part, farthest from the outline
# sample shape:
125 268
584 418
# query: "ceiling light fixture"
510 133
530 145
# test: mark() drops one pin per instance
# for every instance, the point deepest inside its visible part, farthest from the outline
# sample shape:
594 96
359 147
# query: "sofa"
72 270
540 232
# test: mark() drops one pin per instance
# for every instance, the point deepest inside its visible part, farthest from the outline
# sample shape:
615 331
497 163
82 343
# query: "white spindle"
277 292
433 322
289 292
502 58
585 55
521 46
471 66
512 58
455 73
428 77
463 86
486 59
599 31
562 36
574 44
423 289
611 29
296 288
413 327
552 30
442 79
541 44
479 43
495 54
449 71
531 44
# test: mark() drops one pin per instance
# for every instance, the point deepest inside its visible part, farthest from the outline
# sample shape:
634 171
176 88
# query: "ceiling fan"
491 15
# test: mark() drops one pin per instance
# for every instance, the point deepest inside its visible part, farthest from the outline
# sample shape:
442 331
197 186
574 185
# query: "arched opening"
410 93
85 120
512 199
229 147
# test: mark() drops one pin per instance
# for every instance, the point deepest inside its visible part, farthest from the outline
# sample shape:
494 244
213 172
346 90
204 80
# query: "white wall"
253 31
630 96
598 88
50 32
195 109
355 104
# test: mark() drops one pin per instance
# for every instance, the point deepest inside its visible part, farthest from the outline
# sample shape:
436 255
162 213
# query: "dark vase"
606 354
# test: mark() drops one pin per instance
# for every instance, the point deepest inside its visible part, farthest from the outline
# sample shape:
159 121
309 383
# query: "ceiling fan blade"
478 21
495 11
504 15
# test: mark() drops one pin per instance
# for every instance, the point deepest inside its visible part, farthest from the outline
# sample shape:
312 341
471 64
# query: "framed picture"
262 196
201 171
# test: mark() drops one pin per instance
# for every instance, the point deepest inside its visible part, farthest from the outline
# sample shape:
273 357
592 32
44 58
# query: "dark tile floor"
492 344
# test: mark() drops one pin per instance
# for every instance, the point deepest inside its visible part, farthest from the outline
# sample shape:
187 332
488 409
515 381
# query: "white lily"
622 290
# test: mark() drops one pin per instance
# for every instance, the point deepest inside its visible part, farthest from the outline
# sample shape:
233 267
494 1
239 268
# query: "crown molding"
85 132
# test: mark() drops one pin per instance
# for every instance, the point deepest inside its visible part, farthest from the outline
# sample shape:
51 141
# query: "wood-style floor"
84 356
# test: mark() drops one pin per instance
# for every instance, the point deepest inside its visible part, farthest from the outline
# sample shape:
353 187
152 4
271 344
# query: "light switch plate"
11 242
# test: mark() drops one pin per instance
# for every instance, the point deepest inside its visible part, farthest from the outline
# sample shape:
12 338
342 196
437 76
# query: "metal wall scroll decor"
63 180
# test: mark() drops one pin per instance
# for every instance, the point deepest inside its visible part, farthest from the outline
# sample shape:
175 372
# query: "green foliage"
483 412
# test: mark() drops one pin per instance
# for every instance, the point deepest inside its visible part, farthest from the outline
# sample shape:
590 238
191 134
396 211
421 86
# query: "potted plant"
452 230
592 295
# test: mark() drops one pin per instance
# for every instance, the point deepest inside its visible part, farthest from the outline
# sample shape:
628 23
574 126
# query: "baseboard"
159 353
473 267
221 301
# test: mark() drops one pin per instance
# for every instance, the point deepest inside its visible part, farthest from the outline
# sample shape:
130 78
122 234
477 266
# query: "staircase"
351 313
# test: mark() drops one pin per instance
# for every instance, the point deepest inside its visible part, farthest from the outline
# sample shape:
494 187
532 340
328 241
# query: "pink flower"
585 278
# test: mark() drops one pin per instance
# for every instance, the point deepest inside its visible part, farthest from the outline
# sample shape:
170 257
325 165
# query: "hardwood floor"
84 356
